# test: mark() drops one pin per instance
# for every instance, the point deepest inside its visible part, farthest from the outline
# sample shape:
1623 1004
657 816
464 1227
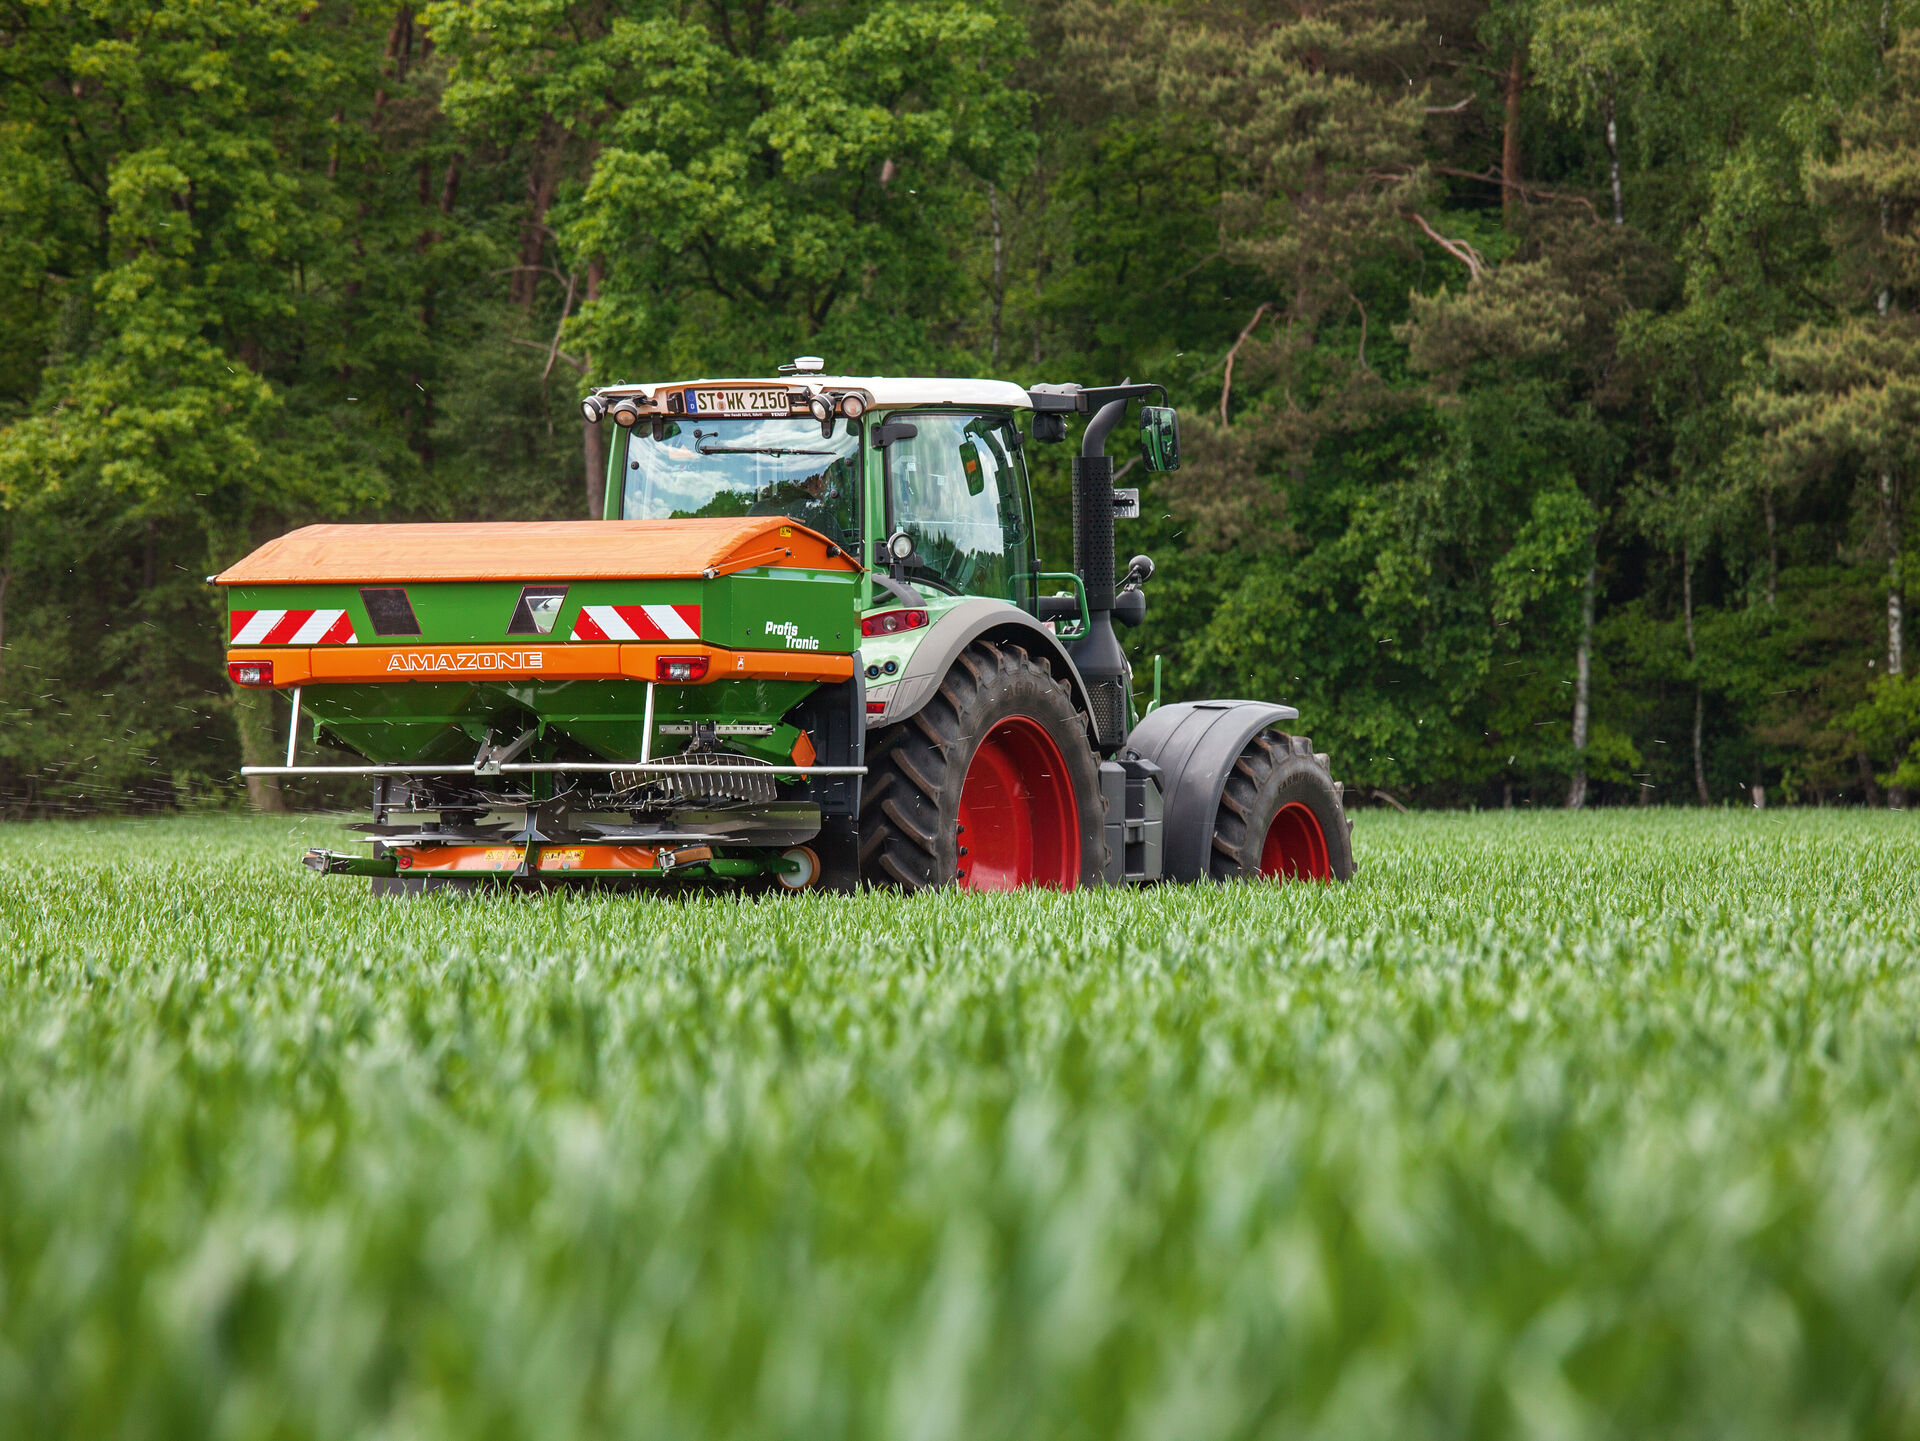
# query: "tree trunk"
6 574
450 184
1896 601
1699 756
594 456
253 718
1582 680
999 270
1773 545
1613 156
533 231
594 437
1510 164
1037 228
1868 785
1693 661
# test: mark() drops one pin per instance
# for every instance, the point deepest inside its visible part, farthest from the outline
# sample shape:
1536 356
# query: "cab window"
959 488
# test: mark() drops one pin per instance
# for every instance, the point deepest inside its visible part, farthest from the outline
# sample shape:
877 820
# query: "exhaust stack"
1102 664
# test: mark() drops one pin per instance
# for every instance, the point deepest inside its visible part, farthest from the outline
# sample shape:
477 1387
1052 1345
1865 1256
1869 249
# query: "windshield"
720 467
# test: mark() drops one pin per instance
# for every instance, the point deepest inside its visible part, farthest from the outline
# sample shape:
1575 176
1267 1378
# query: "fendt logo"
465 660
795 640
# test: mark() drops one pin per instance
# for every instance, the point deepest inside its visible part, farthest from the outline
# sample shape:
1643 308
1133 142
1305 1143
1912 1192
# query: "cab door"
958 487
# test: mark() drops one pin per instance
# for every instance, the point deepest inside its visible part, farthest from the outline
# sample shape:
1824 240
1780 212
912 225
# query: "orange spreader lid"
533 550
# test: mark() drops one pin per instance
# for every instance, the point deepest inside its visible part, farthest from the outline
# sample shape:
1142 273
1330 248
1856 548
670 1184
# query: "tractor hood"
520 550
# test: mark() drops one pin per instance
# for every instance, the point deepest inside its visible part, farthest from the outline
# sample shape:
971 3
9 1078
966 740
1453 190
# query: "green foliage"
1889 722
266 263
1542 1124
761 180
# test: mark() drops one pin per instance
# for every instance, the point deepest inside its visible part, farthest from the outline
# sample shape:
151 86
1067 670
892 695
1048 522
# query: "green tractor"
811 642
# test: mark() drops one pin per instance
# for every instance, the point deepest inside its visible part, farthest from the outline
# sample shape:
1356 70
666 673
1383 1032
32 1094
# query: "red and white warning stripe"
292 627
637 622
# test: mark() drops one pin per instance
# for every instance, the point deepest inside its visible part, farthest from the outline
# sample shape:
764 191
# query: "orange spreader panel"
553 860
532 550
319 665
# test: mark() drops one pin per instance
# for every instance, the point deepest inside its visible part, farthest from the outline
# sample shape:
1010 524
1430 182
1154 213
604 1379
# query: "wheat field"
1546 1126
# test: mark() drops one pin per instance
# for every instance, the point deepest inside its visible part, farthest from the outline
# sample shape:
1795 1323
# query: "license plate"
736 402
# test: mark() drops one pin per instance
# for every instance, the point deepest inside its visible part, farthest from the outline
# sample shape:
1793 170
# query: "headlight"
593 407
852 406
626 411
821 408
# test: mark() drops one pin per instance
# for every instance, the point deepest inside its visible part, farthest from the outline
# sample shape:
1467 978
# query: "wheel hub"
1019 823
1295 847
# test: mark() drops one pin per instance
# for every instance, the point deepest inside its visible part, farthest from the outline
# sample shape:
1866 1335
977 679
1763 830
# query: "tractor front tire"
1282 816
991 785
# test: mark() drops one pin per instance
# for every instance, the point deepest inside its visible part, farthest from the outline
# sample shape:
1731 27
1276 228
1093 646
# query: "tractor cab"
924 479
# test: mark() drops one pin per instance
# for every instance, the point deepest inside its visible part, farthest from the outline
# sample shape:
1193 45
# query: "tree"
1847 393
762 180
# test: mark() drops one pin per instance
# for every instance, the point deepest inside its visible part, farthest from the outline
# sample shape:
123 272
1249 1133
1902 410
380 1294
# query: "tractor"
811 642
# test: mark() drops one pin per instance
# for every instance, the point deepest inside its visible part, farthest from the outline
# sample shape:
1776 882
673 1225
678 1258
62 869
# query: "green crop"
1546 1126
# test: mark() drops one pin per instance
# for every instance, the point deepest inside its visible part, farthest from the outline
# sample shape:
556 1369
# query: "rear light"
680 669
852 406
891 622
876 707
250 672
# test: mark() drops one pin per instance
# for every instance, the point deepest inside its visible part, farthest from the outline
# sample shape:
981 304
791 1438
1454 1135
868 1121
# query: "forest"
1549 369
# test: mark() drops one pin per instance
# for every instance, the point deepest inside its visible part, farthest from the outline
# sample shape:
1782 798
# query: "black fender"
1195 744
971 620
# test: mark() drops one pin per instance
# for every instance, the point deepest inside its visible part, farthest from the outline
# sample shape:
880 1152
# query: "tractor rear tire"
1282 815
991 785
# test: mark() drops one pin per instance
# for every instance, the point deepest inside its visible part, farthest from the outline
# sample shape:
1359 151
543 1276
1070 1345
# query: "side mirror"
1160 437
970 466
889 431
1049 428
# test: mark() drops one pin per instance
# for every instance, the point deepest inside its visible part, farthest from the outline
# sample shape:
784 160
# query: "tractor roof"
886 390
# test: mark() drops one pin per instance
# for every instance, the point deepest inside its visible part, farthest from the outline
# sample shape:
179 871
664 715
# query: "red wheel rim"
1019 822
1296 847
